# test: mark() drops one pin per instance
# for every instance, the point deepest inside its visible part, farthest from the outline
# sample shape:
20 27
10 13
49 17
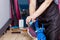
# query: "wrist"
33 17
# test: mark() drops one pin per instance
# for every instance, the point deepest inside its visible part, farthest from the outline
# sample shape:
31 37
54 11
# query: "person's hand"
30 18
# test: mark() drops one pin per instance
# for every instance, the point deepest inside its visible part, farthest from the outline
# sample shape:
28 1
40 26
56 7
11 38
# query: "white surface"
4 12
21 23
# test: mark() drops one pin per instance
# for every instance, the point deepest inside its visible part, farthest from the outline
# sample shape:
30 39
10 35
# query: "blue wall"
23 4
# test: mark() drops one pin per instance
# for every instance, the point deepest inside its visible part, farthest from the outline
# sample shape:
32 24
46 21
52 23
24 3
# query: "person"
47 12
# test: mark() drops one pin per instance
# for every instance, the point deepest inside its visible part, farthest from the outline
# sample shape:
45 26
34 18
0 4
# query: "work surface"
16 36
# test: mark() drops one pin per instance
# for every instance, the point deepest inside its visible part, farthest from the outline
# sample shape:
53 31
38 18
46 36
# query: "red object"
32 32
59 4
17 9
14 9
11 12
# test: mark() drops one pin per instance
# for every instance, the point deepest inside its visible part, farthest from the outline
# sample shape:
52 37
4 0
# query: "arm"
39 11
32 6
42 8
